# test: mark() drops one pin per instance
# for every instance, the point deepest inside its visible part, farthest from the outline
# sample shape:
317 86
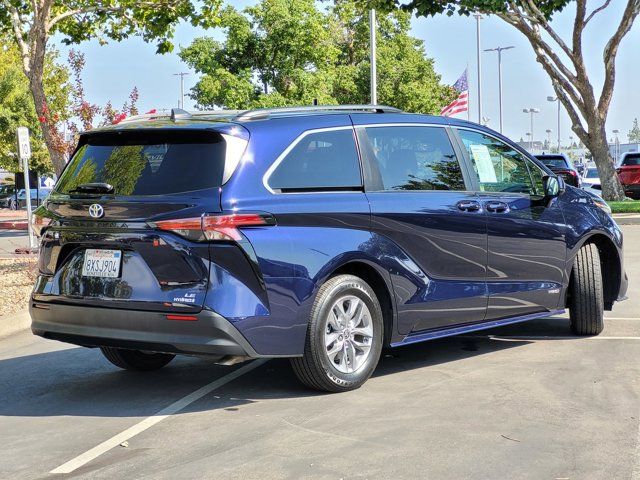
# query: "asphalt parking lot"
527 401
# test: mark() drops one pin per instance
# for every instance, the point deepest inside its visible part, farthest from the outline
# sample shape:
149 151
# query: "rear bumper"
211 334
633 188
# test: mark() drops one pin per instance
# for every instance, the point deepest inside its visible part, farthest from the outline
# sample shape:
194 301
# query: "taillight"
215 227
39 223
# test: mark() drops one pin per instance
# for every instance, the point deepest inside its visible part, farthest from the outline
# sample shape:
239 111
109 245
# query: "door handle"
468 206
497 207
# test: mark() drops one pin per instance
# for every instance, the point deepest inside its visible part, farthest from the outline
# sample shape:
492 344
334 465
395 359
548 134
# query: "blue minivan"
322 234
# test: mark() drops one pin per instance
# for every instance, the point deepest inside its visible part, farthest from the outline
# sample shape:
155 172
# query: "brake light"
182 318
39 223
215 227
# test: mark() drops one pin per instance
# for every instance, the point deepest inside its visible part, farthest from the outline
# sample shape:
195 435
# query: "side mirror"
553 186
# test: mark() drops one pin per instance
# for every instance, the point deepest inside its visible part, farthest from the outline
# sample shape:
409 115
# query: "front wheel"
136 359
586 302
344 336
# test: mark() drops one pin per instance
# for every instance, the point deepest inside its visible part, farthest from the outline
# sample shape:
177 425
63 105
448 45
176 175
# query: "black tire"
586 303
135 359
314 369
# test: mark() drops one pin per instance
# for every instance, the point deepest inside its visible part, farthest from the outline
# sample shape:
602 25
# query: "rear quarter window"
147 163
322 160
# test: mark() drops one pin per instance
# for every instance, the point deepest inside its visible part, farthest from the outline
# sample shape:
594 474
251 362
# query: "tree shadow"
80 382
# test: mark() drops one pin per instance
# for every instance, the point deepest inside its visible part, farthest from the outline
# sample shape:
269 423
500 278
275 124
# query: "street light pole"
616 148
556 99
531 111
372 61
478 17
181 75
499 50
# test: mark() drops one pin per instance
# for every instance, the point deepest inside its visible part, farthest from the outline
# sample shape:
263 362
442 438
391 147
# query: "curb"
14 323
627 218
13 225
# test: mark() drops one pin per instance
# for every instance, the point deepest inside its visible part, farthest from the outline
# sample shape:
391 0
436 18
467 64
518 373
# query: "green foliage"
75 21
289 52
17 108
628 206
634 133
464 7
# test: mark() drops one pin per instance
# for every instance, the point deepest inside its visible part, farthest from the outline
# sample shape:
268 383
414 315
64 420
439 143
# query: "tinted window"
633 159
148 163
415 158
321 160
554 161
592 173
499 167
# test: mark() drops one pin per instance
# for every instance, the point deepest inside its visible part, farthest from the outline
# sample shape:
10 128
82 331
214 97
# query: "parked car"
321 234
560 164
591 181
7 195
37 196
629 174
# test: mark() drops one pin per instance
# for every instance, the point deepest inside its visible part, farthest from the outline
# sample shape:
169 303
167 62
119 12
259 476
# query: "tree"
563 61
634 133
17 108
84 115
290 52
33 23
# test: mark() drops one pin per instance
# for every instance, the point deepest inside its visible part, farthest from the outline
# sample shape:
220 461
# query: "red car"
629 173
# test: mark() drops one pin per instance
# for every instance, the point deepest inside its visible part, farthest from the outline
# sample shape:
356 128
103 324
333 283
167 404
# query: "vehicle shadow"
80 382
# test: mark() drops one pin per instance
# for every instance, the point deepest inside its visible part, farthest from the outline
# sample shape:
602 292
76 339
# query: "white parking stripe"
157 417
510 338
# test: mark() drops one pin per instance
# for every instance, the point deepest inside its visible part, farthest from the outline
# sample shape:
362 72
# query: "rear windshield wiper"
93 188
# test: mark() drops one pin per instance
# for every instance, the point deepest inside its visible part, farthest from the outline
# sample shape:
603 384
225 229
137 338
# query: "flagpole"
469 95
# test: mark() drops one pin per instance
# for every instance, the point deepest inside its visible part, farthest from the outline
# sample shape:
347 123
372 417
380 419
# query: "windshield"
554 162
147 162
632 160
592 173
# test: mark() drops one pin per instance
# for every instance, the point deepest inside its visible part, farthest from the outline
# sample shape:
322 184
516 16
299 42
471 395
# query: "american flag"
460 104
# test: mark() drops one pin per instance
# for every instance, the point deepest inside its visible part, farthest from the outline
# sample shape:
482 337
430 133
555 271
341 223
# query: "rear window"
148 163
592 173
554 162
632 159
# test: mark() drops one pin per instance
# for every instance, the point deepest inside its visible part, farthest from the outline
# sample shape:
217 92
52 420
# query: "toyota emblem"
96 210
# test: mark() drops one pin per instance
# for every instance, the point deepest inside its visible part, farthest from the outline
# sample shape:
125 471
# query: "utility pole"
499 50
181 75
372 43
478 17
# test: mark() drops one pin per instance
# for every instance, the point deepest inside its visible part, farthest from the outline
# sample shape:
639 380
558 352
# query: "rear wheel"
586 303
344 336
136 359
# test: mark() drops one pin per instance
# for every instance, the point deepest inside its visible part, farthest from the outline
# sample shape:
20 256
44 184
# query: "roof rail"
261 113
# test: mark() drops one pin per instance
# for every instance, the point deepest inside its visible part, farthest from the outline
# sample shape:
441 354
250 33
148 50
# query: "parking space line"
157 417
507 338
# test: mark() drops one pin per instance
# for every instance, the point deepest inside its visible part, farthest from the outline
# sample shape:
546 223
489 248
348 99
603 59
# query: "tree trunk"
36 85
599 148
39 98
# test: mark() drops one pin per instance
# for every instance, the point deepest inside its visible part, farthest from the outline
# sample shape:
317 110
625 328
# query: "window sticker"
484 164
154 155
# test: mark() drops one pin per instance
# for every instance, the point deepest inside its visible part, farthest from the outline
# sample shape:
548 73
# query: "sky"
113 70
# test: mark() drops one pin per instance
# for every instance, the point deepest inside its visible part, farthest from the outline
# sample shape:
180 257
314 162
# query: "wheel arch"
610 265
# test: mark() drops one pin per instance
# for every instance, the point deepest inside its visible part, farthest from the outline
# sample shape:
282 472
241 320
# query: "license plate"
101 263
